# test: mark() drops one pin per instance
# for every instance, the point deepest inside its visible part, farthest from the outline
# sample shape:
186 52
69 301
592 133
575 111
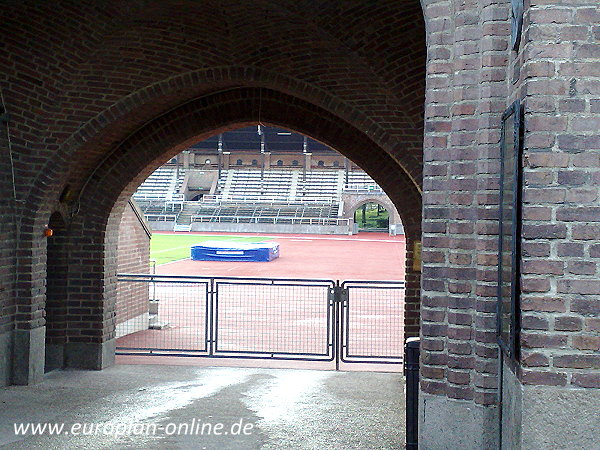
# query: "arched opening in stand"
372 217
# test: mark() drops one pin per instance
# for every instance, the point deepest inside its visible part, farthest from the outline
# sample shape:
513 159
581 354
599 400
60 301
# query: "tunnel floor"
159 407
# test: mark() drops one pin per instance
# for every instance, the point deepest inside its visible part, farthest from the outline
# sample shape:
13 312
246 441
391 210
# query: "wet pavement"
171 407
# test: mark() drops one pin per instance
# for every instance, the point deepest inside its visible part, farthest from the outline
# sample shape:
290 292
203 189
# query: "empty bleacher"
246 212
320 186
160 185
361 182
270 185
252 196
159 210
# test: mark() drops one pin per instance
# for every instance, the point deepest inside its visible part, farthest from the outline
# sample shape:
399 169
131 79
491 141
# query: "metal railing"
373 321
362 189
163 196
263 318
282 199
229 317
293 220
161 217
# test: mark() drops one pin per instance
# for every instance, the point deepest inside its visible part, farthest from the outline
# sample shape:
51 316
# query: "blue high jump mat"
229 251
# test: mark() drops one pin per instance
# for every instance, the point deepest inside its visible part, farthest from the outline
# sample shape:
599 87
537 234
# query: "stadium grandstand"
260 179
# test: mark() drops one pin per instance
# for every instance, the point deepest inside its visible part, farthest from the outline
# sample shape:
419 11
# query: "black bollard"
411 373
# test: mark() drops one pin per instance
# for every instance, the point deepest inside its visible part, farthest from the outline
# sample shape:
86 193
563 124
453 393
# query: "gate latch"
338 294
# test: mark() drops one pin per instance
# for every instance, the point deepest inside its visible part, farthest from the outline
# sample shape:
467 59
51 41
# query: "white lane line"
173 262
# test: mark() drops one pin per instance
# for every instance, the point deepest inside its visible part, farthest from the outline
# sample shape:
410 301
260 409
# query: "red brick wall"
7 240
472 77
133 257
286 159
466 95
560 81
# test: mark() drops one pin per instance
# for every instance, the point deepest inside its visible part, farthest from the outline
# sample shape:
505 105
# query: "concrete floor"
281 408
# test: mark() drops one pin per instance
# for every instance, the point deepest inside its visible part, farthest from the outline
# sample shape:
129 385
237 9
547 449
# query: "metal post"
153 272
262 152
337 310
220 155
411 372
304 153
346 170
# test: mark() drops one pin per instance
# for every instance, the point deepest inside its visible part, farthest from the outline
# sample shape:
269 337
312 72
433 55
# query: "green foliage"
375 217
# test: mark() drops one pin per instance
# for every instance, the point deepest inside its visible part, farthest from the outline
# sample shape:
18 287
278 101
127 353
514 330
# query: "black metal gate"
372 316
260 318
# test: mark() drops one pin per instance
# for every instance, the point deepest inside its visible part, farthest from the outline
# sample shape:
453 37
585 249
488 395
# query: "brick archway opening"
93 229
353 202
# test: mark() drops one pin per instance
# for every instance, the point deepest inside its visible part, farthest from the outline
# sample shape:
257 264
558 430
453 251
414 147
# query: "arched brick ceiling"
362 61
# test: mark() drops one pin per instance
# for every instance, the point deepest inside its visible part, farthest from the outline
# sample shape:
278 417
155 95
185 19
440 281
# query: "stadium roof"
277 140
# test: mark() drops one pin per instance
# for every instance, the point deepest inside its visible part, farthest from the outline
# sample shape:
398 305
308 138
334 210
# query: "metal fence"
264 318
372 321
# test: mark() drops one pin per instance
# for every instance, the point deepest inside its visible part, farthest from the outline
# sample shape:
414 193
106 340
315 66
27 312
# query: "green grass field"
166 248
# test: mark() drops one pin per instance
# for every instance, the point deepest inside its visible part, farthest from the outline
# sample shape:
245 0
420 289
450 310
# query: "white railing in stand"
177 198
217 199
273 220
363 189
137 196
161 217
212 199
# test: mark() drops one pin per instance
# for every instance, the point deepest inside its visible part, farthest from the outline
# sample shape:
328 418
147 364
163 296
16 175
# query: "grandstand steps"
173 182
185 216
275 200
226 189
294 185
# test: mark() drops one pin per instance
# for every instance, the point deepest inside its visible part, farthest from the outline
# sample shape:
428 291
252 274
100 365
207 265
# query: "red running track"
365 256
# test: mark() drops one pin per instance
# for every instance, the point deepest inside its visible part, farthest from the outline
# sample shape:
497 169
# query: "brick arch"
216 113
91 279
167 74
353 201
87 146
76 159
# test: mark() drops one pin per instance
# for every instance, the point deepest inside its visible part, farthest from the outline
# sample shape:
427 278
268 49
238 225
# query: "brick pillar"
30 331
